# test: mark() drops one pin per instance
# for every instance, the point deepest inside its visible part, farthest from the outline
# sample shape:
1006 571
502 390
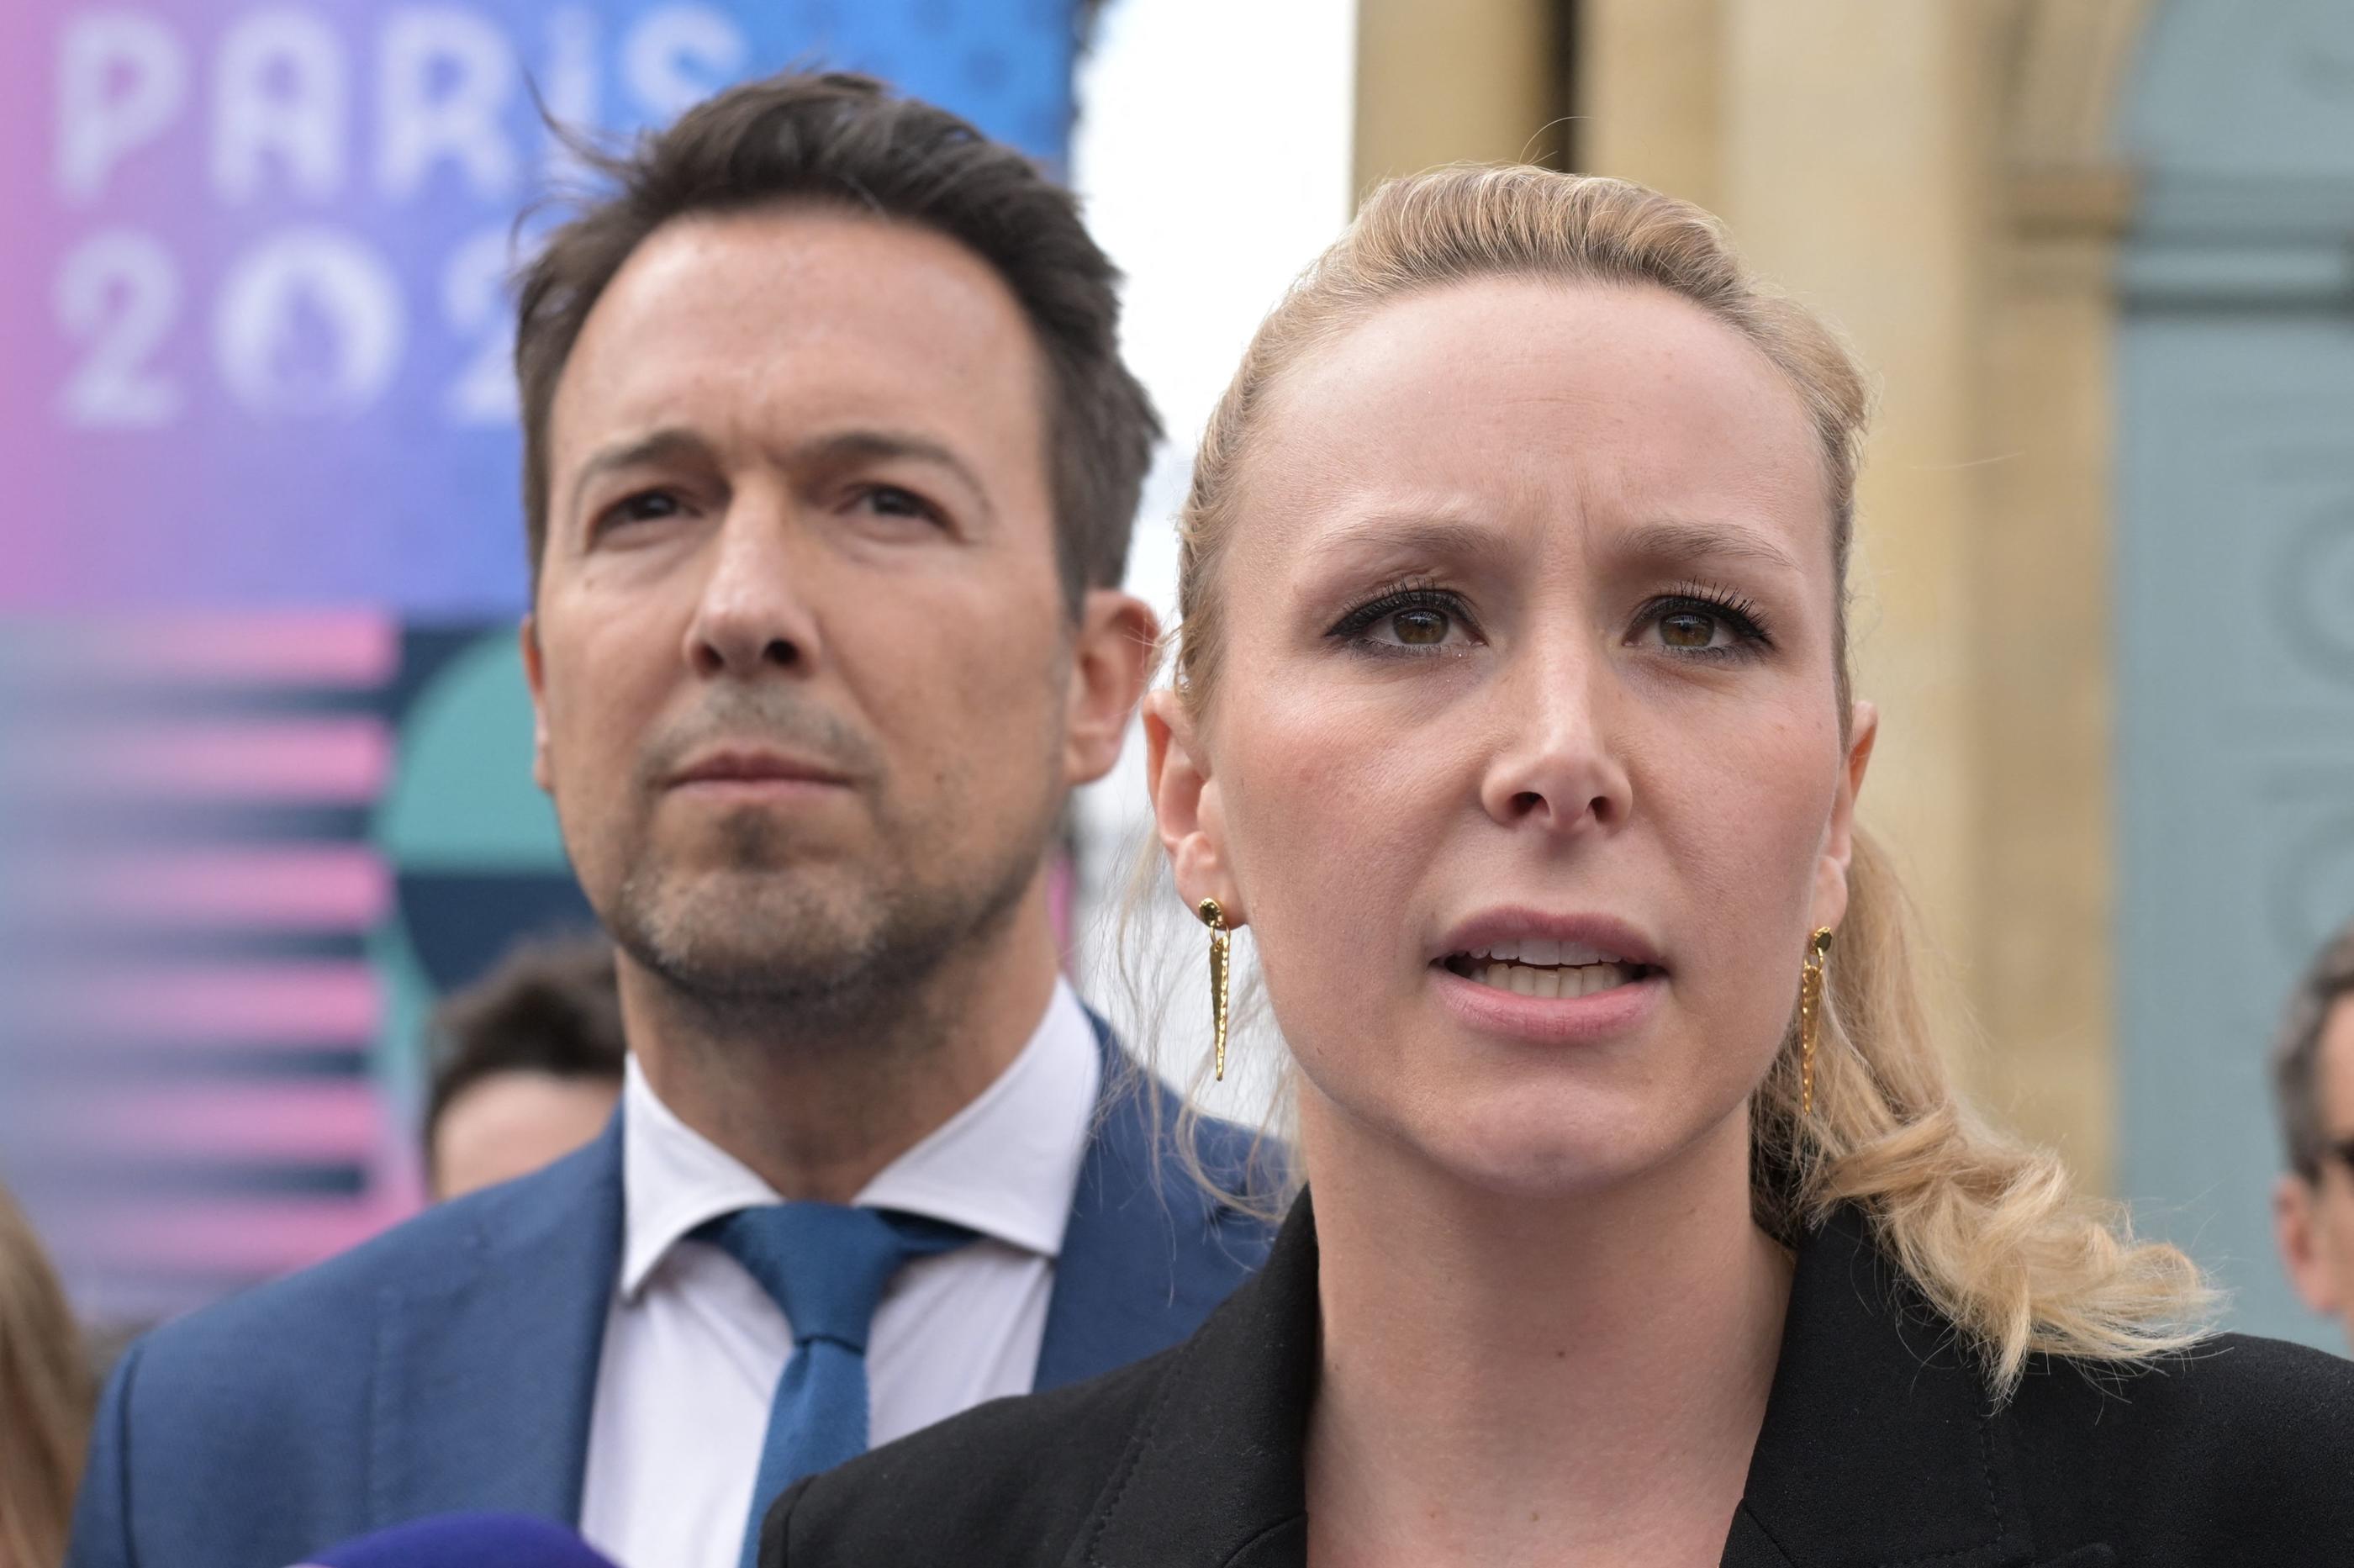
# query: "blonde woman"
1512 716
45 1399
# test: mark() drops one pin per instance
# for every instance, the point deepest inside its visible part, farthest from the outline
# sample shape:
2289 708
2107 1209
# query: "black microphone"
465 1541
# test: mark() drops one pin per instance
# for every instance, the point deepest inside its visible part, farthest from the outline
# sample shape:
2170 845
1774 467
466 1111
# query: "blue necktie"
825 1266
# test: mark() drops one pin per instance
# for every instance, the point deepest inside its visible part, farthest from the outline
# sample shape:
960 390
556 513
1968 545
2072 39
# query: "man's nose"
1558 767
757 610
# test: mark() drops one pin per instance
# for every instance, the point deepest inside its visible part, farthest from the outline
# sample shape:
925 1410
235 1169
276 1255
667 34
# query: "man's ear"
2303 1252
1839 843
535 676
1110 656
1187 807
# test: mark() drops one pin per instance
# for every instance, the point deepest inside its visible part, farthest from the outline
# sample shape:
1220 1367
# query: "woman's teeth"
1559 982
1543 953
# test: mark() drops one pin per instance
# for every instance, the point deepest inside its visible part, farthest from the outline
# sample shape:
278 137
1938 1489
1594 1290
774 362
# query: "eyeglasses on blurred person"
831 462
527 1066
1512 715
2313 1085
45 1399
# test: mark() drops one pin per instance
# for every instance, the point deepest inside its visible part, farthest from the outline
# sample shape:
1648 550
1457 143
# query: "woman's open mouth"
1539 968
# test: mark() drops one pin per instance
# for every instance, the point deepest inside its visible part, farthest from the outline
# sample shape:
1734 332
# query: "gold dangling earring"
1810 1015
1214 918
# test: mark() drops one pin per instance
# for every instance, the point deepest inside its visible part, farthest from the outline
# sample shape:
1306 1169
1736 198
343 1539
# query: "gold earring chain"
1810 1008
1214 917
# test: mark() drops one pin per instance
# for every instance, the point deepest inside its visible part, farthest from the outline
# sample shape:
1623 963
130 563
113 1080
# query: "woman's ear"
1186 806
1838 843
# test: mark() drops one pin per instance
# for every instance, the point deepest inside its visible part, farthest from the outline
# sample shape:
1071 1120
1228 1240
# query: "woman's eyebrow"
1674 541
1419 535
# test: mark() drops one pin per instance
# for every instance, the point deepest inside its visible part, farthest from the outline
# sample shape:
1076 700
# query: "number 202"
308 323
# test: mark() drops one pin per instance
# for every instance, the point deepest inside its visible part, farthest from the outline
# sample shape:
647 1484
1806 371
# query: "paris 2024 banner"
264 787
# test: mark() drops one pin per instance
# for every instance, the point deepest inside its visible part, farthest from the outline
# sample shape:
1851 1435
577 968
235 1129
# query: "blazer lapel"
1880 1448
1147 1254
1879 1445
1215 1474
484 1375
1748 1545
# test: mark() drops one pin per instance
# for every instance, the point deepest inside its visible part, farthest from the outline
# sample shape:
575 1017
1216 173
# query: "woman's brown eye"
1686 629
1420 628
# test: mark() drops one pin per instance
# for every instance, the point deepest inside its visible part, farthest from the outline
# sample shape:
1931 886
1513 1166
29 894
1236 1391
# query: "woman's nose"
1558 767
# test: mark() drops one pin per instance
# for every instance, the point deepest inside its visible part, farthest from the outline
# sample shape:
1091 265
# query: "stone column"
1467 81
1933 176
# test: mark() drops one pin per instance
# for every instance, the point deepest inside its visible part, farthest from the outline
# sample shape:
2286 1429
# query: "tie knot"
826 1265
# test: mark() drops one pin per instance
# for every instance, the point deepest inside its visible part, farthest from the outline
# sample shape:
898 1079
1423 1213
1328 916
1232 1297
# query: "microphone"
465 1541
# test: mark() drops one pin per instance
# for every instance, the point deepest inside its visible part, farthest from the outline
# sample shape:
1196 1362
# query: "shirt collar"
1005 1165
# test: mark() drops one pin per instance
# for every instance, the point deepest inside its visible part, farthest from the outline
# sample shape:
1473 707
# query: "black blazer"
1879 1448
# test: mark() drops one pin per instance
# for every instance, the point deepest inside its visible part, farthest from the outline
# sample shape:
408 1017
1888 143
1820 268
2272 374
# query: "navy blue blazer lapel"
1147 1254
485 1374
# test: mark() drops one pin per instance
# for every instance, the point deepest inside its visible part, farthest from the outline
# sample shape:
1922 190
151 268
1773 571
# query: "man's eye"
647 506
890 500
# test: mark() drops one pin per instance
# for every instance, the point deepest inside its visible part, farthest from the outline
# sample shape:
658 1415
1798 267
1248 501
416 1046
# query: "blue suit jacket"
451 1363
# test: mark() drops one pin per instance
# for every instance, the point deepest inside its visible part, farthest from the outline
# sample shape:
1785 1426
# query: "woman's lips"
1547 974
1603 1005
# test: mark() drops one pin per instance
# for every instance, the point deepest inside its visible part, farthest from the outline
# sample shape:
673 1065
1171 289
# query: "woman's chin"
1533 1142
1525 1148
1560 1128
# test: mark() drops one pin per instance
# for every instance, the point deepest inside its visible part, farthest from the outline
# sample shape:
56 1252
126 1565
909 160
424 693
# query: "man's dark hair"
550 1006
2296 1055
848 140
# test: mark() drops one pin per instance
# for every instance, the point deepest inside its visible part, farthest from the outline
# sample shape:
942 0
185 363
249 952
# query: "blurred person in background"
2313 1084
831 463
1511 714
527 1065
45 1398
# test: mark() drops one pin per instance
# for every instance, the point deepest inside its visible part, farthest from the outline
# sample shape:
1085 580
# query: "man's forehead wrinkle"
664 443
605 398
786 270
870 443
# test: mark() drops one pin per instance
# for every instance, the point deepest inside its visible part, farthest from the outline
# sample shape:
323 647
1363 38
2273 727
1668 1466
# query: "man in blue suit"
830 468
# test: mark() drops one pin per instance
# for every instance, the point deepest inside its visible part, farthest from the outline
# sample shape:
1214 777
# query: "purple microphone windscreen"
465 1541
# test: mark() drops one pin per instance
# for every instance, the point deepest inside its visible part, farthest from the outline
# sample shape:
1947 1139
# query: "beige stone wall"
2046 390
1932 175
1444 80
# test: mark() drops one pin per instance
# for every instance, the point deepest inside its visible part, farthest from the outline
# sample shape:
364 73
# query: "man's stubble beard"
765 950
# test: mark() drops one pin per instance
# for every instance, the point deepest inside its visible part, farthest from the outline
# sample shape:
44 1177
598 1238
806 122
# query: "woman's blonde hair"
45 1400
1990 1230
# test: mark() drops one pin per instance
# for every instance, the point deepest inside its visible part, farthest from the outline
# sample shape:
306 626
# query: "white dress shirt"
694 1347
